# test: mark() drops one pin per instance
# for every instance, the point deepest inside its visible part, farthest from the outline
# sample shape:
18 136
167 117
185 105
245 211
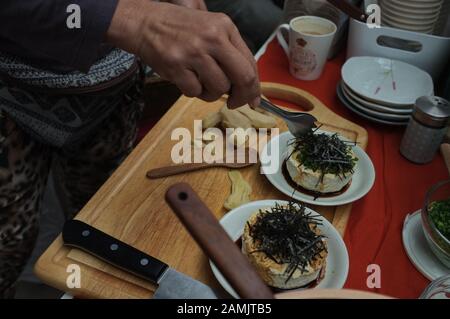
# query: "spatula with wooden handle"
184 168
215 242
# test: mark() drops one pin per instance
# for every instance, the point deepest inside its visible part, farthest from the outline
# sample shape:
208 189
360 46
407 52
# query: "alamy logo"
374 278
74 278
73 20
374 18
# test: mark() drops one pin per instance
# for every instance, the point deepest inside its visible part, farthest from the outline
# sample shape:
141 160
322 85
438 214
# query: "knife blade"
171 283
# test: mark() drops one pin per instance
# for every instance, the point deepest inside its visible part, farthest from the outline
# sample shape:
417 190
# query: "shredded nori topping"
286 235
325 153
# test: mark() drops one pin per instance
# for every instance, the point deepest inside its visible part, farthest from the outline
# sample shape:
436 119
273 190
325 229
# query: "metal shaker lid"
432 111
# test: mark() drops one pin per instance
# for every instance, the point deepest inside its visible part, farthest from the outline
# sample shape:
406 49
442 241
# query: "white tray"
432 51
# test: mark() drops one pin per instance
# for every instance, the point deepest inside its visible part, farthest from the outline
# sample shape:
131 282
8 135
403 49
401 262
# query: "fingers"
242 74
240 44
205 58
238 64
214 81
188 83
192 4
202 5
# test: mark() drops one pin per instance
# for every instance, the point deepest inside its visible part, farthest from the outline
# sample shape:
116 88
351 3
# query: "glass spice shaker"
426 129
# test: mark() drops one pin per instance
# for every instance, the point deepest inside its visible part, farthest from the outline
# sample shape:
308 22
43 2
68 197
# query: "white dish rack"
429 52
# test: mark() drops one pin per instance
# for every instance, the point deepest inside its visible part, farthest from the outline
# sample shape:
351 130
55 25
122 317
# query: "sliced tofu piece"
258 120
234 119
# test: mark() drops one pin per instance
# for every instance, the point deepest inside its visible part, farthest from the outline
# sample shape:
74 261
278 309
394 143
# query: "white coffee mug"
310 40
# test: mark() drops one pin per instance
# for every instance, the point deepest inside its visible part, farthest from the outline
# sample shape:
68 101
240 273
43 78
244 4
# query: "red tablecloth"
373 234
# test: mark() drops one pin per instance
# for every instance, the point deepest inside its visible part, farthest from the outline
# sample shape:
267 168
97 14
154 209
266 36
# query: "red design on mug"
303 61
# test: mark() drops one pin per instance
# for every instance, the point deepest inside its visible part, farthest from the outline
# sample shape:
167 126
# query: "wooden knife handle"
445 150
176 169
350 9
215 242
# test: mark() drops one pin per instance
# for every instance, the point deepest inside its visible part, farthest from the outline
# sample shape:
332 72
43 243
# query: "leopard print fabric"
79 171
24 166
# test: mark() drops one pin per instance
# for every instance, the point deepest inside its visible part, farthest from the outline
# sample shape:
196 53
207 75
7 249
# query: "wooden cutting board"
131 207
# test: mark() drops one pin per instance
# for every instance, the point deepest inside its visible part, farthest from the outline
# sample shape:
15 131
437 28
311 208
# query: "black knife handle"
83 236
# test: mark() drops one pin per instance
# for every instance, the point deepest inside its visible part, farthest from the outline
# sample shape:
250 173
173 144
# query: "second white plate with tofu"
275 154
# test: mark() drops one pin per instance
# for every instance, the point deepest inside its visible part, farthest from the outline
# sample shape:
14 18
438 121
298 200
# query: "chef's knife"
215 242
171 283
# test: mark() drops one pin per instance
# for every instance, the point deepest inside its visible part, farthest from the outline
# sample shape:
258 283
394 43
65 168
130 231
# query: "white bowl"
418 250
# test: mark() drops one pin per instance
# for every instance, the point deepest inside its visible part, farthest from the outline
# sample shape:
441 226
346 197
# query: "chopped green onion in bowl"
439 212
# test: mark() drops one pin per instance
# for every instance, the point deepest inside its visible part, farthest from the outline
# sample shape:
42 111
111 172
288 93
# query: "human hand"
200 52
193 4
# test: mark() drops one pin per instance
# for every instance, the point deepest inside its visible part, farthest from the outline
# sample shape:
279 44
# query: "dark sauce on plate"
305 191
312 284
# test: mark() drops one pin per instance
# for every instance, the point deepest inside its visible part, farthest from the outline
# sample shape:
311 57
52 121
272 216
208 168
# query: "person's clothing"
279 3
44 65
59 109
79 171
111 66
37 32
255 19
65 98
87 127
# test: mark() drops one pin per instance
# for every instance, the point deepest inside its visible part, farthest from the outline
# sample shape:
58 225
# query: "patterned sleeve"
53 30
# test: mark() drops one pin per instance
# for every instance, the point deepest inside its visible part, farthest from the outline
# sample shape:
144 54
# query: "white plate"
336 270
377 114
411 19
374 106
371 78
389 6
419 251
427 5
350 106
362 180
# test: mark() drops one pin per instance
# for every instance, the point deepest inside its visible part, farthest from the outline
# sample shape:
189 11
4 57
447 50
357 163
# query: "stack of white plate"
412 15
383 90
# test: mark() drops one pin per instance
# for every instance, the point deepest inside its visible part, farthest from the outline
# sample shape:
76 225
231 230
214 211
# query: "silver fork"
297 122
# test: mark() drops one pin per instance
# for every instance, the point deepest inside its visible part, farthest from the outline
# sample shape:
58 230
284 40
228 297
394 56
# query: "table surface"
373 235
